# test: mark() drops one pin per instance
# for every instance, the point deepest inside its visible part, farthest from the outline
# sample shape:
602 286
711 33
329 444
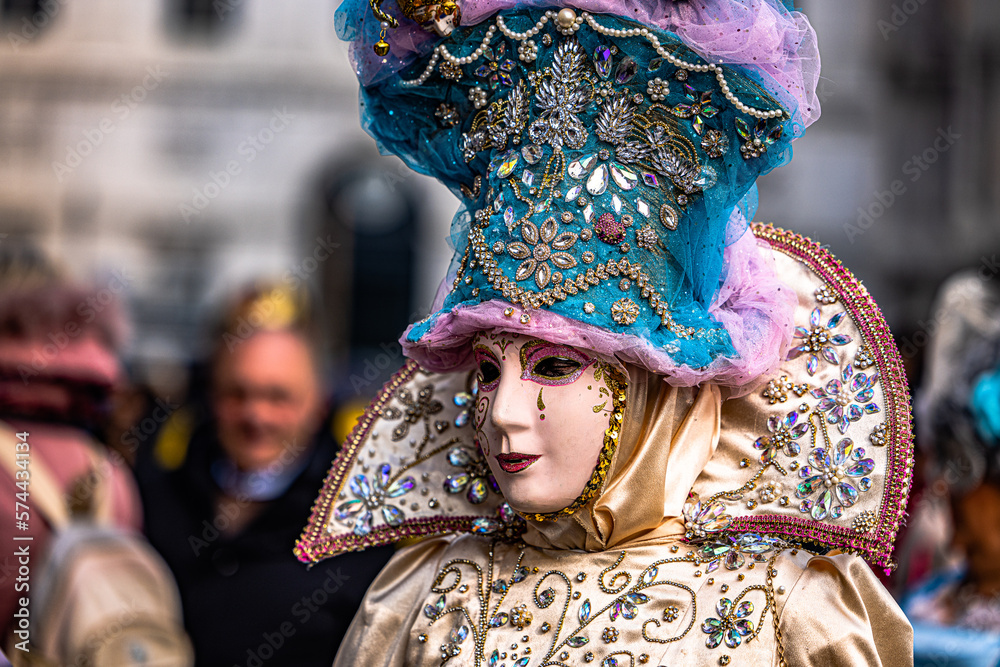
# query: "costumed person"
956 611
222 494
634 430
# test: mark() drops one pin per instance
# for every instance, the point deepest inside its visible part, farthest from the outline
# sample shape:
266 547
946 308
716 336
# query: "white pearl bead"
566 17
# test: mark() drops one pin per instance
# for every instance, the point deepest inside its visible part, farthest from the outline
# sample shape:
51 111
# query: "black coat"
247 601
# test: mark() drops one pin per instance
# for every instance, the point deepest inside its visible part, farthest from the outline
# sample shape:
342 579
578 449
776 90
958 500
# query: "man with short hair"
227 516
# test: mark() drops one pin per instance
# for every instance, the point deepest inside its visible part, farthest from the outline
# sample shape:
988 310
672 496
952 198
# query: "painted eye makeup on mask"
489 368
552 365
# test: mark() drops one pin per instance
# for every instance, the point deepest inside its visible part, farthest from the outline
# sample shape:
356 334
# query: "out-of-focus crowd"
147 529
157 529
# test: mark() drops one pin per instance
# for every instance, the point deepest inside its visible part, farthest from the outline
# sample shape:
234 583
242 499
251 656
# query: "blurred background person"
955 531
58 369
96 593
229 481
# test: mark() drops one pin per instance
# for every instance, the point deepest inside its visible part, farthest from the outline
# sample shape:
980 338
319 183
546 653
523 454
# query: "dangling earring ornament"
381 47
439 17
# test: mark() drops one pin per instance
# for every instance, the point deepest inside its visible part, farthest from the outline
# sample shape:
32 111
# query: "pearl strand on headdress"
568 25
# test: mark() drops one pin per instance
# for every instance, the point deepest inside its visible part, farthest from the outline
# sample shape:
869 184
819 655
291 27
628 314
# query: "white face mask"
541 416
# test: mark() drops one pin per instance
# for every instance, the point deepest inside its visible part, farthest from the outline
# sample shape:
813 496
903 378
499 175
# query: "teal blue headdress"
601 164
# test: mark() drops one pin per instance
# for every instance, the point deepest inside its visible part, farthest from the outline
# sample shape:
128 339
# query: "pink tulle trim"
753 304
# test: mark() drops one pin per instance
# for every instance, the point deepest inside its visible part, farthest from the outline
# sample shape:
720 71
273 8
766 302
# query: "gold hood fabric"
668 436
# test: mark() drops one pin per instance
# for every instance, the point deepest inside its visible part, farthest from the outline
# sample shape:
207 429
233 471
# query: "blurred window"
31 16
204 19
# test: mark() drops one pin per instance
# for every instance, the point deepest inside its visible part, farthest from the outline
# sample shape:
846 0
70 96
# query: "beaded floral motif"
453 648
475 479
697 108
372 496
733 550
770 491
878 435
819 339
508 526
540 247
447 115
757 139
834 474
703 518
777 390
732 624
825 295
846 402
864 358
783 434
715 144
646 238
497 68
624 311
415 410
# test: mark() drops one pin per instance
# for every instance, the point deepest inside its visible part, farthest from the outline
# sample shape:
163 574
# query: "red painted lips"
515 462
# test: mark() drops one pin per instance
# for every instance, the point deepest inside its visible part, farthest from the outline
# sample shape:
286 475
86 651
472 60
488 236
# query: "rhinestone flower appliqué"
846 402
372 496
834 476
818 340
784 433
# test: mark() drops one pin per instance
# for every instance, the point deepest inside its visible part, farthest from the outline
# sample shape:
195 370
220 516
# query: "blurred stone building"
900 177
190 145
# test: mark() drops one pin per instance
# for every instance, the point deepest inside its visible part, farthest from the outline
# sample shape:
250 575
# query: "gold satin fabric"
669 434
833 611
